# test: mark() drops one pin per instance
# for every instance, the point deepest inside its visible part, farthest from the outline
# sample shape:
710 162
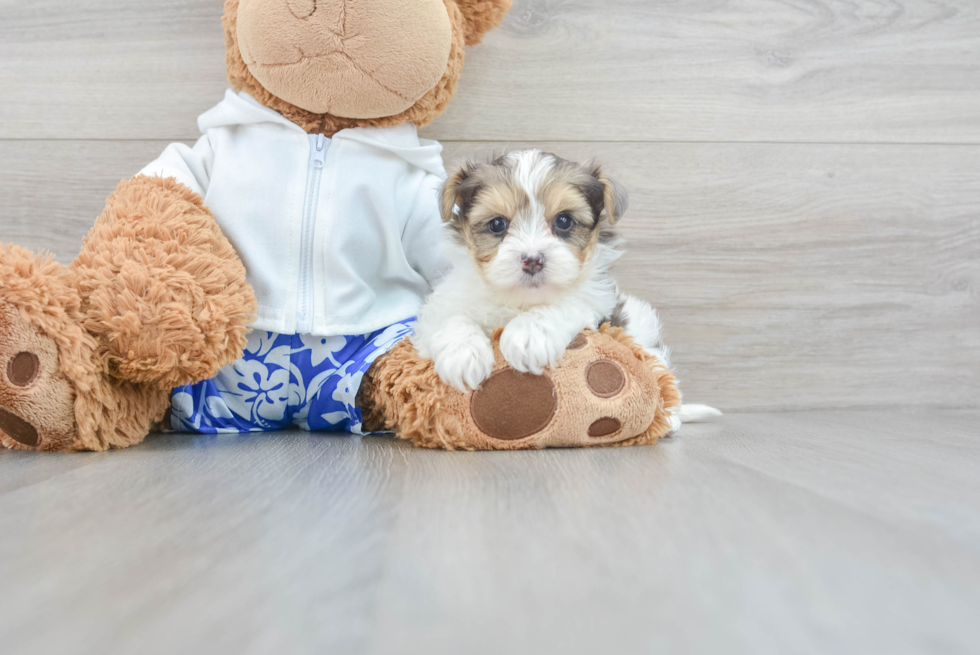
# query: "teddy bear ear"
481 16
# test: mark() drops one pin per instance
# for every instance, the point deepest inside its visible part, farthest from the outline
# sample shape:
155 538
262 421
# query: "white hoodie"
338 236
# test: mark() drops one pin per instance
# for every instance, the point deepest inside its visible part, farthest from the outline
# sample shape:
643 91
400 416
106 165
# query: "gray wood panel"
729 70
814 532
788 276
807 242
52 191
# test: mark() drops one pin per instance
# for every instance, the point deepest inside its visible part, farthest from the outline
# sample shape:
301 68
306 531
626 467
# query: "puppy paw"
530 345
465 365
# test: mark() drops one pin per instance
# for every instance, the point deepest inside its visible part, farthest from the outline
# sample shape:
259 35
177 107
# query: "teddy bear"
268 276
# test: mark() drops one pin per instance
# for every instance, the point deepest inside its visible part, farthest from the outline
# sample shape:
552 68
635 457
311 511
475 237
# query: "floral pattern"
284 380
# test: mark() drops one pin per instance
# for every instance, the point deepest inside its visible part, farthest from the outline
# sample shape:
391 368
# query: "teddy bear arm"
163 290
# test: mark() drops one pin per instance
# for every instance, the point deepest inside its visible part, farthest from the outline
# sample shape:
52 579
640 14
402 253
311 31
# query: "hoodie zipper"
304 311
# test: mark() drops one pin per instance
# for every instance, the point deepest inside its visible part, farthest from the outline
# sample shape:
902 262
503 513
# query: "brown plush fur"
470 19
157 297
38 304
406 395
161 286
482 16
351 58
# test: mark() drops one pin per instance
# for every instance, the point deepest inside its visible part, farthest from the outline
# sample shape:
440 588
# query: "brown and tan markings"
479 193
476 195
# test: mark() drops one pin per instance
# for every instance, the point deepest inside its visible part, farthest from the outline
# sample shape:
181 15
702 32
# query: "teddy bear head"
332 64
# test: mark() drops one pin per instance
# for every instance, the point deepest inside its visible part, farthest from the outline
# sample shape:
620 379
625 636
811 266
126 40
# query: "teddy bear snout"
350 58
302 9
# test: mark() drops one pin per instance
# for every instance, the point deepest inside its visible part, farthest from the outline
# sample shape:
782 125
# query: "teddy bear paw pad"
36 400
605 426
16 428
604 378
512 405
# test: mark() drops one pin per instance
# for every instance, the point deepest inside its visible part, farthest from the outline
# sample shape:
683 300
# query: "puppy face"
531 221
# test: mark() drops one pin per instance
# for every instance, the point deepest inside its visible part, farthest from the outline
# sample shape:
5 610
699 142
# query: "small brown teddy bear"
175 273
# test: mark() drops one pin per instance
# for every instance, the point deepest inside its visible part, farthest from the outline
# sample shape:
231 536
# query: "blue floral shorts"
284 380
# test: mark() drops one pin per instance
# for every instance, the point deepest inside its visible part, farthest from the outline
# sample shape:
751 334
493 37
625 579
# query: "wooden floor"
805 183
808 532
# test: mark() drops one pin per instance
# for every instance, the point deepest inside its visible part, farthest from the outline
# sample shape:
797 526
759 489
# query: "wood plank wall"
804 174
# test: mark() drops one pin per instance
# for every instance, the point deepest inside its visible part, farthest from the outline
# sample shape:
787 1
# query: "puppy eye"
498 225
563 221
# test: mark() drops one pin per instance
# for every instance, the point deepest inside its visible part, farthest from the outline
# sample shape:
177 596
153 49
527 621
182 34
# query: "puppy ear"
481 16
614 197
450 192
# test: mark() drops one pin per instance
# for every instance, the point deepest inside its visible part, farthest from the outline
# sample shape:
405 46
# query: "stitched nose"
302 9
532 263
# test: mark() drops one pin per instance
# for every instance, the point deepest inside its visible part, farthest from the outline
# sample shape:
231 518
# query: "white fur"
643 324
540 314
562 268
539 323
532 166
462 353
694 413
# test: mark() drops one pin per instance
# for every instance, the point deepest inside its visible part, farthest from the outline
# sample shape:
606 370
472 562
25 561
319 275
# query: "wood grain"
788 276
719 70
813 532
809 242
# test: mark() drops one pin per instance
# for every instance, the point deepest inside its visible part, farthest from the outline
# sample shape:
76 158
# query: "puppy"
532 243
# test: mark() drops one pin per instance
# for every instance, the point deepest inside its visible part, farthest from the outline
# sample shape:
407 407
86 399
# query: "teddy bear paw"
36 399
601 394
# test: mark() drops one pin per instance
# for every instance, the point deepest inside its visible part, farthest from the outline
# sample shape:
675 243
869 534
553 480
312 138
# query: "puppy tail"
641 322
694 413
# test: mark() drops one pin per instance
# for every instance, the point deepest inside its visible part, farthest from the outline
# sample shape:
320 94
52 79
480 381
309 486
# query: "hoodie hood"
402 140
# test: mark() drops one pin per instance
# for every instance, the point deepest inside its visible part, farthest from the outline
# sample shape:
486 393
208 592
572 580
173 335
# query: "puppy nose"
533 263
